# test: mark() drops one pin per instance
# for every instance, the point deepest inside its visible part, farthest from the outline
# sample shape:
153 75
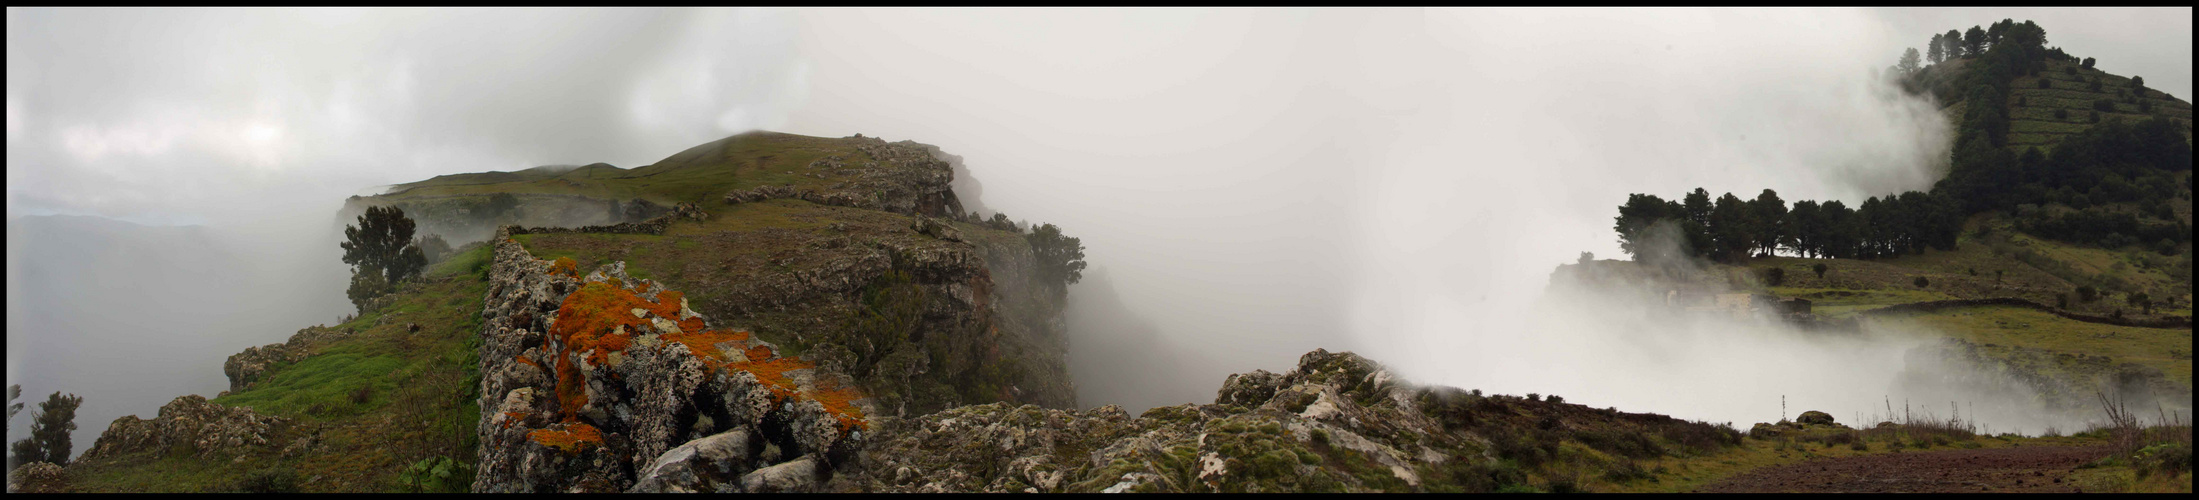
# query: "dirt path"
2035 469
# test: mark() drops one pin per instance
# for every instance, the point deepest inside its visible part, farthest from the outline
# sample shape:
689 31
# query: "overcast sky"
1257 183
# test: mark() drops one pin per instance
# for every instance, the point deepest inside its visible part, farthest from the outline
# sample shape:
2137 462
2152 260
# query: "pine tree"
50 428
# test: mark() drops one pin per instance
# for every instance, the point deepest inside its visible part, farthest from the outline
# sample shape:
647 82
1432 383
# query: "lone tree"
433 247
381 252
1909 64
502 205
1060 258
50 428
1935 51
1820 268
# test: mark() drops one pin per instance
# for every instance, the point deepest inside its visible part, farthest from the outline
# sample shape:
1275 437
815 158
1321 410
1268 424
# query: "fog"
1249 184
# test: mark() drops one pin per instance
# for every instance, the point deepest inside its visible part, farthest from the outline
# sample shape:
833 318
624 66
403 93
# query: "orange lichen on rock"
530 362
574 437
565 266
594 322
840 402
599 319
772 371
703 343
513 417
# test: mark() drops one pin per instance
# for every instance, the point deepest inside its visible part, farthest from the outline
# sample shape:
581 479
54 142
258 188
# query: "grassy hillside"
701 173
2032 118
375 402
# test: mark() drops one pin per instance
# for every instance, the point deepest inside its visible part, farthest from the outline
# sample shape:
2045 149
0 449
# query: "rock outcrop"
245 368
1336 423
207 429
37 477
900 177
604 382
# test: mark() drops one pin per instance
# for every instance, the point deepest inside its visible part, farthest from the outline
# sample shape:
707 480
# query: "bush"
437 475
270 480
2103 105
1773 276
1922 282
1820 268
2087 294
2046 83
2061 114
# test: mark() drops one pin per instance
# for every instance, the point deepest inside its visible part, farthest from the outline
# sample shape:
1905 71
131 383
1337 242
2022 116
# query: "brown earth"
2035 469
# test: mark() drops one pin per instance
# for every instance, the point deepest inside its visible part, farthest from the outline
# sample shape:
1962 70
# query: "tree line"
1730 229
2065 195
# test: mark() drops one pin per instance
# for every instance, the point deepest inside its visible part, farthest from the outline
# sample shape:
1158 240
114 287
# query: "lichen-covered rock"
245 368
37 477
605 382
208 429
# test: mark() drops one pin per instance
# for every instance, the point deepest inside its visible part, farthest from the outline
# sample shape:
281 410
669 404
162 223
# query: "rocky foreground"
602 382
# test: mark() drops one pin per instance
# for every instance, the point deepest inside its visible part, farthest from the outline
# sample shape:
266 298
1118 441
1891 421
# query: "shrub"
1922 282
2061 114
2046 83
270 480
1555 399
2087 294
437 475
2103 105
1820 268
1773 276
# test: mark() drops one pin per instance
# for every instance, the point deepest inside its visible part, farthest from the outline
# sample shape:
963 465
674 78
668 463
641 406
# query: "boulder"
36 477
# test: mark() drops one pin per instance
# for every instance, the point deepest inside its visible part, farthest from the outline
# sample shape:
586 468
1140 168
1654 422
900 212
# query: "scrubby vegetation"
369 405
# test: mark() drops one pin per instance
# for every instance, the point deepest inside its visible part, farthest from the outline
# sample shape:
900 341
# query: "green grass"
321 386
2021 327
420 401
699 174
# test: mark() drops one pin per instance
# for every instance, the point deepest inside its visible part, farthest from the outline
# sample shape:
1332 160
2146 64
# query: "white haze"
1252 184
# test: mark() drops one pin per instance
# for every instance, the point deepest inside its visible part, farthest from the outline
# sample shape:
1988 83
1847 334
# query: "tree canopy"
50 428
382 242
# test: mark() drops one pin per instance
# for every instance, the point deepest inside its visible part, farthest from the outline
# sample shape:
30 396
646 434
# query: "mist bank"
1606 334
130 316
